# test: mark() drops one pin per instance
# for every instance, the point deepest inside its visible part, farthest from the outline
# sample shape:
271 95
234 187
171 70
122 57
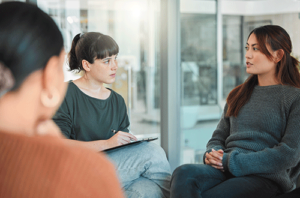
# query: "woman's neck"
92 87
90 84
15 117
266 81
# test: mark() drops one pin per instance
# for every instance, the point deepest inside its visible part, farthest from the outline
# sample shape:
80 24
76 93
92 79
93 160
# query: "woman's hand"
121 138
214 159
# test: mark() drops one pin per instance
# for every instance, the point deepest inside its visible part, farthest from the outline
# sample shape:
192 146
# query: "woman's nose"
114 64
248 54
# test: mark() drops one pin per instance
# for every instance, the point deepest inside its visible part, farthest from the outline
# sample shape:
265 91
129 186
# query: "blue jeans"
143 170
204 181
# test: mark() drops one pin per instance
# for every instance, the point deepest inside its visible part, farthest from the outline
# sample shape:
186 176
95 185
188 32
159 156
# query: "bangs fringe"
106 46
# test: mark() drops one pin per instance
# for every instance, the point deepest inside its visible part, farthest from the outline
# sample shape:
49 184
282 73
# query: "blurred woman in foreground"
34 160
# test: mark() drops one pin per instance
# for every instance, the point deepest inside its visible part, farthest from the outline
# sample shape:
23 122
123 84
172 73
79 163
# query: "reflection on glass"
198 59
234 72
134 24
199 107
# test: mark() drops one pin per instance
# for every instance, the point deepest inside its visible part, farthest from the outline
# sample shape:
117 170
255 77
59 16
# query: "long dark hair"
287 72
90 46
28 39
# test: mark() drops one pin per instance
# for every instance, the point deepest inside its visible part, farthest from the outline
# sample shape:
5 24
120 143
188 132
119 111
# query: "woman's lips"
248 64
113 75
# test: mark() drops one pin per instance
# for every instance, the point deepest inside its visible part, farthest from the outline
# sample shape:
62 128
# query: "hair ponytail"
295 62
74 63
7 80
289 71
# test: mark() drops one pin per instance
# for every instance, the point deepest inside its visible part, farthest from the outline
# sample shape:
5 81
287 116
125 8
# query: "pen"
114 131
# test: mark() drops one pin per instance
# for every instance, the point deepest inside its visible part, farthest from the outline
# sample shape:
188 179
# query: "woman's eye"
255 48
246 48
106 62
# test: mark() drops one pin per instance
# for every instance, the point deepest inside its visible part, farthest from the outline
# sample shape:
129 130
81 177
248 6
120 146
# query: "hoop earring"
51 101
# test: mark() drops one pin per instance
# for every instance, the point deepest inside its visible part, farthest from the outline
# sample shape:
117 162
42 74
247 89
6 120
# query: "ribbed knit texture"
264 139
44 167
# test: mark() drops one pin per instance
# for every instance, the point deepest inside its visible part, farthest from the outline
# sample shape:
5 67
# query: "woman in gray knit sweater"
255 150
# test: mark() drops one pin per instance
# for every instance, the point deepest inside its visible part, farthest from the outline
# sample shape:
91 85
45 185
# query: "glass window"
134 24
200 109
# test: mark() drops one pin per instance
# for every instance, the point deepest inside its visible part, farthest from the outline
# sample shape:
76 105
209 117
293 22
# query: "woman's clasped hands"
214 159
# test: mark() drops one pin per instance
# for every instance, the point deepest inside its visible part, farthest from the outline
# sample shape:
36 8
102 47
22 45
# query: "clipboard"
131 143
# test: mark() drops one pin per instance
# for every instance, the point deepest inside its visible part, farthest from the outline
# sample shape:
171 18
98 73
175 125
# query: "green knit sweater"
264 139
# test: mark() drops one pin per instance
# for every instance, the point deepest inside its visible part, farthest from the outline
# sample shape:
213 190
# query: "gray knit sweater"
264 139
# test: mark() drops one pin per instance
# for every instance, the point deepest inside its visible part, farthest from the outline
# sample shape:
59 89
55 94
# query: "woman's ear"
278 55
50 95
86 65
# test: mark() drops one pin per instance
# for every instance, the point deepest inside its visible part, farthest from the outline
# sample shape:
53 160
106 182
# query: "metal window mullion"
170 80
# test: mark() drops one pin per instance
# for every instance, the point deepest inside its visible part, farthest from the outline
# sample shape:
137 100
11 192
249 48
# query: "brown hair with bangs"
90 46
287 69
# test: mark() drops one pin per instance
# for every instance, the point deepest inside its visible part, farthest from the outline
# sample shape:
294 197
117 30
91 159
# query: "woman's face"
104 70
257 62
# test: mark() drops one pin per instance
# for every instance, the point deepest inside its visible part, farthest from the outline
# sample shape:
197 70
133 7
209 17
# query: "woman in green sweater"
94 116
255 150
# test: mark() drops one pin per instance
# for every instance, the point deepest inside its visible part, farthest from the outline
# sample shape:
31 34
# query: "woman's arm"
217 142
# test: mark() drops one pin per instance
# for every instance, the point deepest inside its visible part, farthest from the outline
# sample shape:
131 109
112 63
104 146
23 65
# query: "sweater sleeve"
219 136
124 121
63 119
283 156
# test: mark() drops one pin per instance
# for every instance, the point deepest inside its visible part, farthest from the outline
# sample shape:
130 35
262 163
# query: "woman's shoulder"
117 96
73 92
50 155
51 146
291 90
290 94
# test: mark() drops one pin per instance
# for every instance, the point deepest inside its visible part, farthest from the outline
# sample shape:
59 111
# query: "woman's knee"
154 149
154 153
183 172
143 188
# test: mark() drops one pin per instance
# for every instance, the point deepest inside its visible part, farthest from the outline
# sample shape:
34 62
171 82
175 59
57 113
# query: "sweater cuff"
225 162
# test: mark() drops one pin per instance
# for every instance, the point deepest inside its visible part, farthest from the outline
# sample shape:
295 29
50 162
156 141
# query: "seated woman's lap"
146 159
198 180
190 180
246 187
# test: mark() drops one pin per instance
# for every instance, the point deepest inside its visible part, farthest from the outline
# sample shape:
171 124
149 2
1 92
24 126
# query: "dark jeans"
204 181
294 194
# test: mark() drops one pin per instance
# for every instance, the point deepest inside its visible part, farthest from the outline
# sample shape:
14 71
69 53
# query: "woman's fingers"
212 159
130 136
212 165
217 154
124 137
218 167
